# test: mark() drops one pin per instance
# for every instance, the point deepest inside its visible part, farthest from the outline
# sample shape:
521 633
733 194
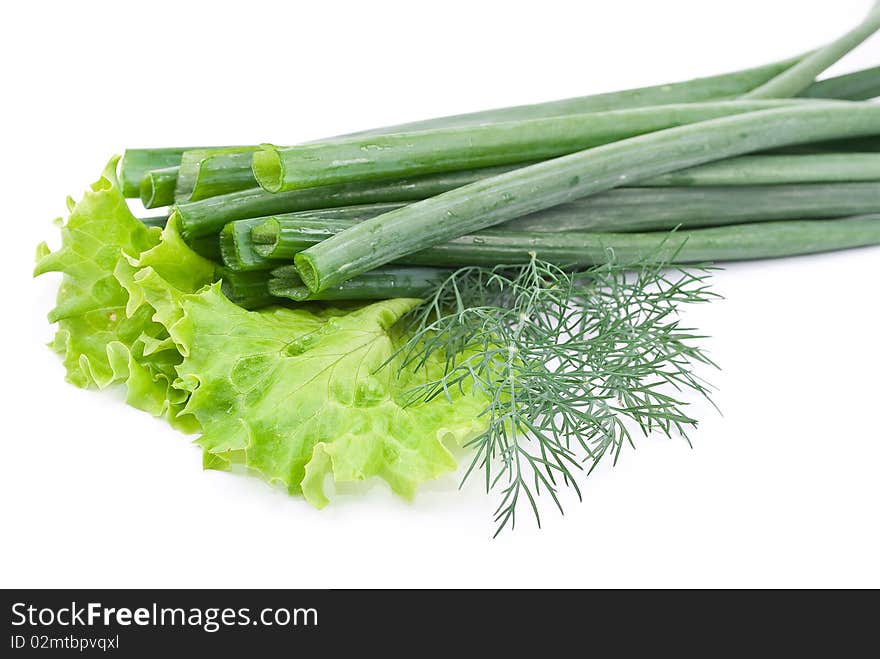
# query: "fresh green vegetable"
775 169
574 364
236 247
724 86
542 355
155 221
857 86
749 170
388 237
138 308
206 246
729 243
862 145
296 395
157 187
94 331
209 216
795 79
264 240
652 209
212 172
134 310
449 149
207 173
584 248
621 210
249 290
137 162
861 85
105 335
239 251
379 284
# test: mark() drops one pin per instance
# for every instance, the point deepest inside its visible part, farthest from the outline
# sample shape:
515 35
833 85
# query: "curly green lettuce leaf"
178 270
175 261
103 336
94 332
298 394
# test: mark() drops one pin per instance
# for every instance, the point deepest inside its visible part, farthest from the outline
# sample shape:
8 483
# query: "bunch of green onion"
763 162
543 251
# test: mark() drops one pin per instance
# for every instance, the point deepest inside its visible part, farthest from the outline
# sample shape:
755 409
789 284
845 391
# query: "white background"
782 490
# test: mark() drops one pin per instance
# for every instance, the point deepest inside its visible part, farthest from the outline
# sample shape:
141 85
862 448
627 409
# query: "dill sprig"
573 365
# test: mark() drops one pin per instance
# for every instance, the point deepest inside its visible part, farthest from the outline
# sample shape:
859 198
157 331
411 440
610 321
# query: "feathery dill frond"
573 365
